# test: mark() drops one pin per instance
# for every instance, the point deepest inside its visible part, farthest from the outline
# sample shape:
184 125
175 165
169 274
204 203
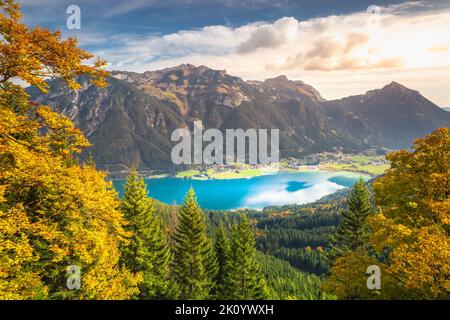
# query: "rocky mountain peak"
131 120
282 88
280 80
186 83
396 87
391 91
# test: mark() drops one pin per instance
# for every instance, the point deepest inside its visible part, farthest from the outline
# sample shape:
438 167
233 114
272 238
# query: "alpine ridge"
130 122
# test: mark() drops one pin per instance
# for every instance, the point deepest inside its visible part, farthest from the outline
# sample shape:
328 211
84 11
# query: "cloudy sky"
340 47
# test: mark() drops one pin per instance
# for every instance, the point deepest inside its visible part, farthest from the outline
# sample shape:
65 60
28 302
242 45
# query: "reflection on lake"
256 193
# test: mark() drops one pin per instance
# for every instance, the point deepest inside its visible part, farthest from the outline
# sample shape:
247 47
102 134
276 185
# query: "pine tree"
244 280
148 251
222 250
352 234
195 263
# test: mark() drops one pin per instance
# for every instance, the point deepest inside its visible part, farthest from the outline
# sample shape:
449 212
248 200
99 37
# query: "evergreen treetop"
147 251
195 263
244 280
352 233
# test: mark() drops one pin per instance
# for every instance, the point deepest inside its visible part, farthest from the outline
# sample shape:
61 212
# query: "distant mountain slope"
130 122
126 126
391 117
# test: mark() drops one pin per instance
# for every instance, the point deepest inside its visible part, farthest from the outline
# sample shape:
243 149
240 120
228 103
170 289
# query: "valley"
157 185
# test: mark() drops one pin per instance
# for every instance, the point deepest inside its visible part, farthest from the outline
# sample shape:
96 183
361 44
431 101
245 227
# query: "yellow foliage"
414 198
54 212
423 263
416 189
32 55
386 232
411 232
348 277
16 252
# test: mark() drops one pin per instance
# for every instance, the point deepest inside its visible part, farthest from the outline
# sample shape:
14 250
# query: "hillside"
130 122
391 117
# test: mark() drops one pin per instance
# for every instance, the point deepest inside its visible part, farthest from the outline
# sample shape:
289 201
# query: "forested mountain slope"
130 122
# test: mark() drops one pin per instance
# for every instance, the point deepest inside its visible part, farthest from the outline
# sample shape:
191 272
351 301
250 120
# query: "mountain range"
130 122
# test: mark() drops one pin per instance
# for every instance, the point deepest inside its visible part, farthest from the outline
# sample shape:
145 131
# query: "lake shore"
358 164
244 174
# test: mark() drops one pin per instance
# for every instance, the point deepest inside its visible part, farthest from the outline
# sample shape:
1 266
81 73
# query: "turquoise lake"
255 193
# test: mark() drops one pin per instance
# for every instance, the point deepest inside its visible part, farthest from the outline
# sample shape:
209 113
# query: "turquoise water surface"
256 193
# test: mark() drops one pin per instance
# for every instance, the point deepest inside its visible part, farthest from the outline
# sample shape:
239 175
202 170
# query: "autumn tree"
148 251
195 264
54 213
348 278
413 225
411 233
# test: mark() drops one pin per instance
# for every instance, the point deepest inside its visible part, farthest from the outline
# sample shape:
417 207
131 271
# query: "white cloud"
270 36
339 55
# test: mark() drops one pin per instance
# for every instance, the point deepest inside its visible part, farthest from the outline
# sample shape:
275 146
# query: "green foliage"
272 239
286 282
303 219
305 259
299 238
352 233
147 251
244 280
287 238
195 264
222 251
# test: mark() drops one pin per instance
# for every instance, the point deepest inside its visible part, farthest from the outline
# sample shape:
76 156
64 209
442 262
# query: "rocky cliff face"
283 89
130 121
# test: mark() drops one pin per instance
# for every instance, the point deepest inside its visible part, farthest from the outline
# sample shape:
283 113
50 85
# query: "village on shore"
368 163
